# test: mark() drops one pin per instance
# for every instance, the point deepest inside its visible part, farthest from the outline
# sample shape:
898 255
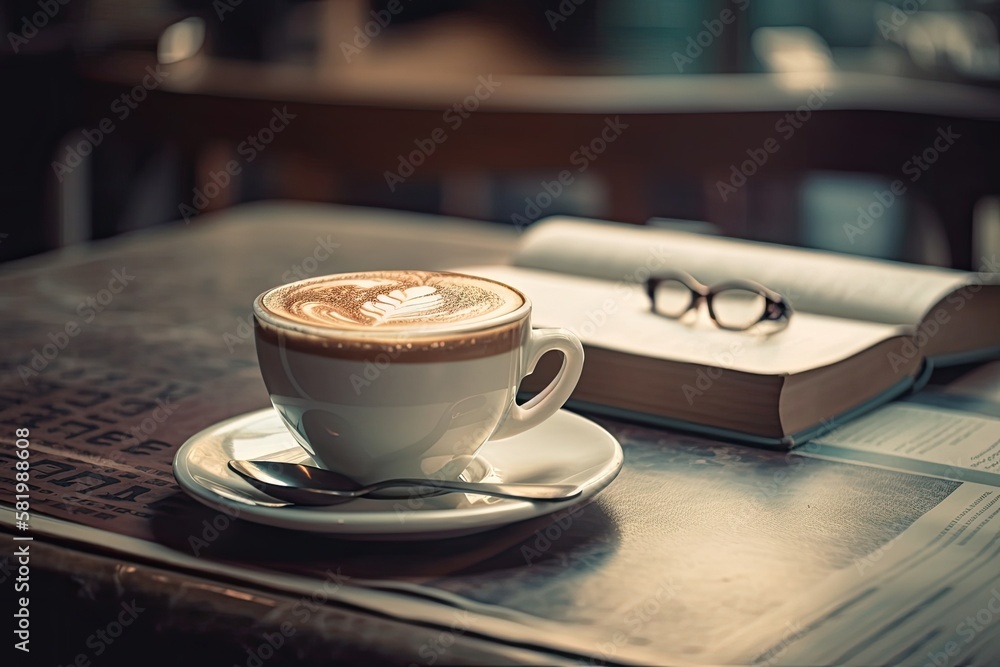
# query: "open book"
863 330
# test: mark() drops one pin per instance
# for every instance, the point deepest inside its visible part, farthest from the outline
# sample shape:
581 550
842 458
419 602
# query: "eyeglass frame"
776 309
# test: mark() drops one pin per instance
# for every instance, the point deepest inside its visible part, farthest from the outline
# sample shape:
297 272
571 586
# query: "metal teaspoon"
309 485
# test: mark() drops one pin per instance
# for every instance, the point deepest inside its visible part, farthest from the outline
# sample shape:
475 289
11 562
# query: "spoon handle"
551 492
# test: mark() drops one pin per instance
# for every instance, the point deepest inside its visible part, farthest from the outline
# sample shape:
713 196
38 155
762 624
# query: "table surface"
693 541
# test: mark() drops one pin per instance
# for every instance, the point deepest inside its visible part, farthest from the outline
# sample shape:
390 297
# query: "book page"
930 440
814 281
616 316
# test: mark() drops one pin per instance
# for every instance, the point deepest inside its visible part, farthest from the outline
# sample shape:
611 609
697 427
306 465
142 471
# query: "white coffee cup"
412 393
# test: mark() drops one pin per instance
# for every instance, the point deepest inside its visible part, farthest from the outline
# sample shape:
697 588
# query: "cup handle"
545 404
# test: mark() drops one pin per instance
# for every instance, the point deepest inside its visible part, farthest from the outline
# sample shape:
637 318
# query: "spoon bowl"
308 485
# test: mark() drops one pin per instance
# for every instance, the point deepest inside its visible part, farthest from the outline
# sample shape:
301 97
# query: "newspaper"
930 596
919 438
102 441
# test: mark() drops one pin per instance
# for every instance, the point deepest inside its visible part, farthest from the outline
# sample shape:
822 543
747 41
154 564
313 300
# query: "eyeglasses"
736 305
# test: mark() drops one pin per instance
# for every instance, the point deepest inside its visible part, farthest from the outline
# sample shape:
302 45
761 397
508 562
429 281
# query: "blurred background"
862 126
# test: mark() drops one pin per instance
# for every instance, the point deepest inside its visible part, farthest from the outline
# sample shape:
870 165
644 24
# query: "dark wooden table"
692 542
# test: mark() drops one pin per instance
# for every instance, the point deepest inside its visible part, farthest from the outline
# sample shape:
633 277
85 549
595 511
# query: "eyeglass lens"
738 308
672 298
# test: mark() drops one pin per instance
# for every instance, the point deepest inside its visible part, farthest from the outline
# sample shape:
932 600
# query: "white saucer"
565 449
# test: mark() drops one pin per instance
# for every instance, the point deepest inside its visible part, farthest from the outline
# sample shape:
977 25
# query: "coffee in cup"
394 374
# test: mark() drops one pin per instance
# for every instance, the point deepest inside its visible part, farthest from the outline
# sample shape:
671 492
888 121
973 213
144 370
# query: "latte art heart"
409 303
393 300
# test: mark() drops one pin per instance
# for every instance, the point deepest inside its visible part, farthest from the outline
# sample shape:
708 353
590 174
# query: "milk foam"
394 301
